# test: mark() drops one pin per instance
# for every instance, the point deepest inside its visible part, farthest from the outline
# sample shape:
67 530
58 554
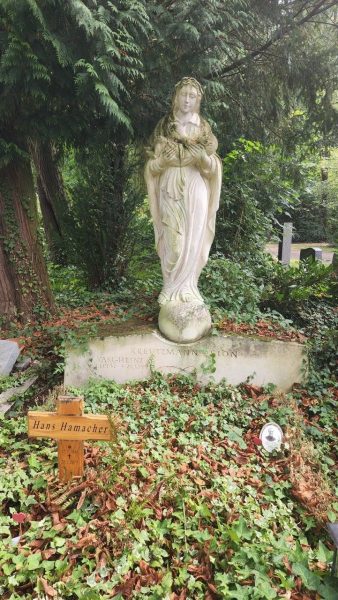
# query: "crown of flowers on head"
189 81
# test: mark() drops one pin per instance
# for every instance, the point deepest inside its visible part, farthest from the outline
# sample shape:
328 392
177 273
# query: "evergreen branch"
111 106
252 114
283 31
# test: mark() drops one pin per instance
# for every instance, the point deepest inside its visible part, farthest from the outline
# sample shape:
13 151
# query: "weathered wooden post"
70 452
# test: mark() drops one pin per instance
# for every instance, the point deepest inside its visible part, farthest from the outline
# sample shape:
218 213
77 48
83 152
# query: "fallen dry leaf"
48 589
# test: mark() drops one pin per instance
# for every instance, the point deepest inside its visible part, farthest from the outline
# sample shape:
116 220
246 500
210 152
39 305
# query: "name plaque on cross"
70 427
61 427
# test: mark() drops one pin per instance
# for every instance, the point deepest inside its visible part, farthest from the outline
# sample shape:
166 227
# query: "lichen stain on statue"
183 176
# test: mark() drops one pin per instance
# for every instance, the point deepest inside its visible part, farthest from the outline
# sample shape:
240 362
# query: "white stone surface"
9 352
184 322
183 177
286 243
131 357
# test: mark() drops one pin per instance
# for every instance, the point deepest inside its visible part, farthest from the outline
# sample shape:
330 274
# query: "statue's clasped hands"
169 156
198 152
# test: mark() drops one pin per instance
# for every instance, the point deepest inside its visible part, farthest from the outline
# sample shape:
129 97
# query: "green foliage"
307 294
263 178
66 64
68 70
316 217
302 296
256 189
288 289
102 208
251 94
144 264
320 322
171 502
69 286
231 287
245 291
329 194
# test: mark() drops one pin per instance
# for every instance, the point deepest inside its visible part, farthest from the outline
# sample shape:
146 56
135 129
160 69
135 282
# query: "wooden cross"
70 427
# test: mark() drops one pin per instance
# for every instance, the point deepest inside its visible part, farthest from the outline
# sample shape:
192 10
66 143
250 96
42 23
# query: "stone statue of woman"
183 176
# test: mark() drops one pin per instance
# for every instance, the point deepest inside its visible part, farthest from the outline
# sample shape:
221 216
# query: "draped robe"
183 199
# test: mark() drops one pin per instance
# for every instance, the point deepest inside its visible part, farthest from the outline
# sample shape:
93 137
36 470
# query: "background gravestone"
315 254
9 352
284 246
335 262
8 397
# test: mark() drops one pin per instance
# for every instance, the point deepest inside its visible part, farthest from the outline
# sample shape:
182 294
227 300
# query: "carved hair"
166 127
186 81
189 81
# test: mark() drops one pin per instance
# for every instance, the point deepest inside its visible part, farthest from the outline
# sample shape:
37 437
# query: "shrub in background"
102 182
316 217
257 187
288 290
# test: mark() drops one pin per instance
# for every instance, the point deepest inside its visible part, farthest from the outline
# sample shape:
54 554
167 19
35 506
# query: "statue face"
187 99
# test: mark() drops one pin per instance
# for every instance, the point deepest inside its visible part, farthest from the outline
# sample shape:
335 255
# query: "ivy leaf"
143 472
90 595
34 561
322 553
310 580
33 462
328 590
167 581
241 529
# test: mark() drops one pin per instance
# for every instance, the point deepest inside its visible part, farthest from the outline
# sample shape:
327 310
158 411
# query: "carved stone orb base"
184 322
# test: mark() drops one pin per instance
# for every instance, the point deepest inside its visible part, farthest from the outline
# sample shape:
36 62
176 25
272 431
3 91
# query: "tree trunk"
53 201
24 287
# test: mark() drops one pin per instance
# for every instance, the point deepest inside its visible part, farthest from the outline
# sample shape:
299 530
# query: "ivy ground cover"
186 505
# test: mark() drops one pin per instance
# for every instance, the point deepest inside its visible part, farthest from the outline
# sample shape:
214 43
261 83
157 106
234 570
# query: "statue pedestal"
184 322
131 351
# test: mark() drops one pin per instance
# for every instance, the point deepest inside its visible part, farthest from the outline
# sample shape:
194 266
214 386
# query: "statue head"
187 95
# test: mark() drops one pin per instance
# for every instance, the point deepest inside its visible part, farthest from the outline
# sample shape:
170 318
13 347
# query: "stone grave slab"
235 358
9 352
8 396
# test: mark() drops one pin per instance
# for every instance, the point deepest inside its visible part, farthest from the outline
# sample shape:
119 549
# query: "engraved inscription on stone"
139 357
235 358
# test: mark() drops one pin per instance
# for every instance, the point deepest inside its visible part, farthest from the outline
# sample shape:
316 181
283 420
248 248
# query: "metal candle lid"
271 437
